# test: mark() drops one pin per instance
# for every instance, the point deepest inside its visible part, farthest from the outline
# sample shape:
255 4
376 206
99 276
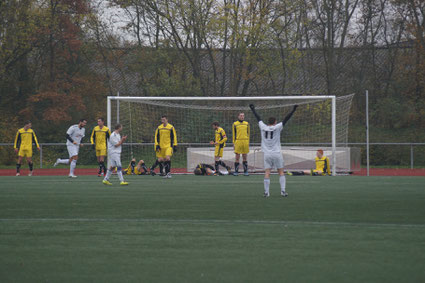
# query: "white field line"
219 221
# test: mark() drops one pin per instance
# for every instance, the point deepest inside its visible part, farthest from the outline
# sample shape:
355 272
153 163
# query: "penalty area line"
219 221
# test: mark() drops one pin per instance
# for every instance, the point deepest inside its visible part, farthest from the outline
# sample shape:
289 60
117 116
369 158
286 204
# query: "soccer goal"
319 122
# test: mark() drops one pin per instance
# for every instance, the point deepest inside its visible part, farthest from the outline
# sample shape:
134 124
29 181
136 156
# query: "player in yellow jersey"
241 133
24 139
165 144
133 169
99 140
322 163
219 143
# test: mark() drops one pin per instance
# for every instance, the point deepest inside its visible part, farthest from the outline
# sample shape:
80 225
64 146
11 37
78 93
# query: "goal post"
317 123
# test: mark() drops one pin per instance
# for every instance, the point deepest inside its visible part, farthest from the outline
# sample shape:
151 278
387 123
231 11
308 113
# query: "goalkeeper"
323 166
165 144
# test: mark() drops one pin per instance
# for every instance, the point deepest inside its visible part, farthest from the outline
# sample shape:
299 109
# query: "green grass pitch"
212 229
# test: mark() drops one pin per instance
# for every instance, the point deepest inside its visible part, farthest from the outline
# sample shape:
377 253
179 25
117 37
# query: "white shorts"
73 149
273 161
114 160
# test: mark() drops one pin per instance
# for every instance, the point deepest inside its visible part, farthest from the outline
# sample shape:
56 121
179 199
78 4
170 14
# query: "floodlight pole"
367 132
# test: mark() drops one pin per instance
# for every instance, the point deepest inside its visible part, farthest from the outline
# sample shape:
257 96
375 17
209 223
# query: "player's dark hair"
215 124
101 118
272 120
117 126
163 116
82 120
197 171
27 122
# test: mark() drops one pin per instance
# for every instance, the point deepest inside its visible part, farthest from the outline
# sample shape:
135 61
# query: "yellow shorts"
101 152
319 171
242 147
163 152
218 151
25 152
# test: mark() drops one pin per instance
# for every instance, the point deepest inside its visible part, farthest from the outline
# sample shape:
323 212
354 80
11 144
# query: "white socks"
282 181
108 175
267 186
119 173
63 161
72 167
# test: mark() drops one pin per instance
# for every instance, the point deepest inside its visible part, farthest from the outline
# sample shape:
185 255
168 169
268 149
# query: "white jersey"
76 134
113 140
270 138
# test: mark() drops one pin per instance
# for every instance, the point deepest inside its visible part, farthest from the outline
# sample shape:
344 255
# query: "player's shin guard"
72 167
167 167
267 186
245 166
100 168
282 181
18 167
161 167
216 166
31 165
236 167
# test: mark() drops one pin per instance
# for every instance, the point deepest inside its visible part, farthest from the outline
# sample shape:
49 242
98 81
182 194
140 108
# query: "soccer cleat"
123 183
18 174
152 173
72 176
168 176
99 175
288 173
266 195
235 174
56 163
30 173
284 194
246 173
162 174
106 182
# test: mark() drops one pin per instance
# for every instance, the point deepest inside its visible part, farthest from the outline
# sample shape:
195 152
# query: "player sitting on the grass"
271 147
114 155
219 143
134 169
204 169
25 137
323 166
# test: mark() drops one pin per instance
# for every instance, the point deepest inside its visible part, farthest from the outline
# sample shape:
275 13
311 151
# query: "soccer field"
212 229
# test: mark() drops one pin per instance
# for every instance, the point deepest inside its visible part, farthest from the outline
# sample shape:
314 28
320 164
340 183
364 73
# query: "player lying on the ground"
206 169
24 139
219 143
133 169
323 166
270 145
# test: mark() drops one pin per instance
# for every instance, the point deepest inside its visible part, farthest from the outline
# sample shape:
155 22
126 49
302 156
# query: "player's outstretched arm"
255 112
289 115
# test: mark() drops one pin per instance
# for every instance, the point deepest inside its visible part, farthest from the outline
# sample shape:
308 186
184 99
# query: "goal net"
319 122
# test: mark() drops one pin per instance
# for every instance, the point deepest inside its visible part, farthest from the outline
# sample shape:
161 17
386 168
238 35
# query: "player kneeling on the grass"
323 166
204 169
270 145
24 139
74 135
114 155
219 143
134 169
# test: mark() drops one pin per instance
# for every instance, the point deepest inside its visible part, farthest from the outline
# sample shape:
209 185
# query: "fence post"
367 132
411 156
41 156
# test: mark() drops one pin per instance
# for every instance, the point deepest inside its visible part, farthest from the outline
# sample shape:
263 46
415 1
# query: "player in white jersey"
74 135
114 155
270 145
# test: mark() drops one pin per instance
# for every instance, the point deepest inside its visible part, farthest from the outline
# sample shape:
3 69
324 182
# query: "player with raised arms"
114 155
241 133
74 135
165 144
219 143
24 139
99 140
271 147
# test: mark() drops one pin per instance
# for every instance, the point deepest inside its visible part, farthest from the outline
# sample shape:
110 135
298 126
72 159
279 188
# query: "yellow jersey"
240 131
165 136
220 137
100 136
322 164
25 139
